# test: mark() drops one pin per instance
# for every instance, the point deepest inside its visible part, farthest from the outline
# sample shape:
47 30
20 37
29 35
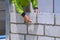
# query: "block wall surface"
44 26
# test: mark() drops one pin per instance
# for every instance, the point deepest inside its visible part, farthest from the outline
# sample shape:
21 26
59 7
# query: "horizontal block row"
2 5
21 37
32 29
17 18
36 29
44 18
29 37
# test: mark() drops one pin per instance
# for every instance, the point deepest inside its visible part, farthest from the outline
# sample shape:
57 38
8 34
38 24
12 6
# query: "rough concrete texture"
44 26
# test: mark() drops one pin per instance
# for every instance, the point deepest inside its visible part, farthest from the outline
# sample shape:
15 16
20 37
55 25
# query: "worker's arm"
19 8
34 3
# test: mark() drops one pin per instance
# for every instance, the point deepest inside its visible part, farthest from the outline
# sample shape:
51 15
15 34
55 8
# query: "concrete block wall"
44 26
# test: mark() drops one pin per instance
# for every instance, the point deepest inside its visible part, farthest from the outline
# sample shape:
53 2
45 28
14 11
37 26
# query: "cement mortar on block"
45 18
52 31
17 37
36 29
19 28
29 37
45 38
57 38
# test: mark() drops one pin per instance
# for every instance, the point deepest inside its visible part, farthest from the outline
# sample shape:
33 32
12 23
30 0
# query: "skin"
27 19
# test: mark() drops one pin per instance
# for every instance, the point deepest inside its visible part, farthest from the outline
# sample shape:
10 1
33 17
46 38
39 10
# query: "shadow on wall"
2 27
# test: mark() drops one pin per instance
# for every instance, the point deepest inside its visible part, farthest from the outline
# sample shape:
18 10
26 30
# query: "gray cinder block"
35 29
45 38
46 18
17 37
29 37
18 28
52 31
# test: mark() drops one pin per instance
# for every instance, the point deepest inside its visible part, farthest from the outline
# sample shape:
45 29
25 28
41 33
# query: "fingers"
27 19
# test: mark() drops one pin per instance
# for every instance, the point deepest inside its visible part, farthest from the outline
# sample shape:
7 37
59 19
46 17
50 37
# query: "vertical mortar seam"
27 29
24 37
54 20
37 37
54 38
44 29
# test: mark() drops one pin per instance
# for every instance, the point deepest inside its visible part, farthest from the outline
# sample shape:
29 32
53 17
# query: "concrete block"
2 5
45 6
45 38
17 37
14 16
57 19
46 18
57 6
29 37
32 16
35 29
52 31
18 28
57 38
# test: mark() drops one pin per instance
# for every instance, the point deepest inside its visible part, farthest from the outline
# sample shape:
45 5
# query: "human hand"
27 19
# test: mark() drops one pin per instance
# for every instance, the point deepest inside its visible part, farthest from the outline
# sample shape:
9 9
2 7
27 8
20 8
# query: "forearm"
35 4
19 8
